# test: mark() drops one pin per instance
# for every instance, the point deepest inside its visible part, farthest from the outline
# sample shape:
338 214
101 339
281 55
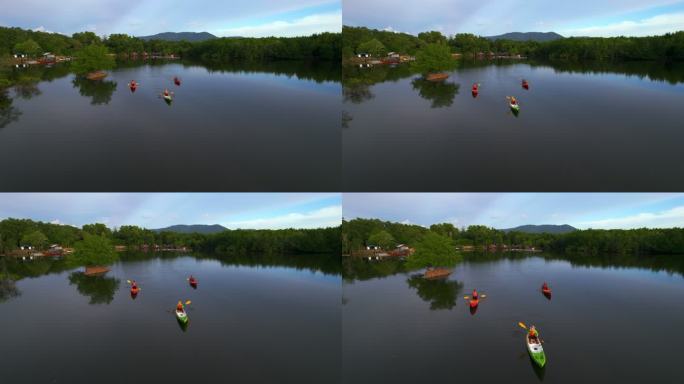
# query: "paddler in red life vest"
475 88
474 294
525 84
545 286
513 100
179 307
134 285
534 335
166 92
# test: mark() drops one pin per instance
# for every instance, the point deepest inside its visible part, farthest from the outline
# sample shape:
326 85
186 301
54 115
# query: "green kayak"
535 349
182 316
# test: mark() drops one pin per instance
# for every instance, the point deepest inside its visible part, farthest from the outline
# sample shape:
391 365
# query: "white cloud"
305 26
656 25
673 217
406 222
56 221
323 217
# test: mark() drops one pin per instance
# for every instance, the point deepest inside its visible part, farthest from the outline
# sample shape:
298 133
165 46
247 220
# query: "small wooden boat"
95 271
436 273
97 75
436 76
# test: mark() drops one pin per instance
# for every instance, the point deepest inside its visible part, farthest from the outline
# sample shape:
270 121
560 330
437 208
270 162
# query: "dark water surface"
252 320
608 321
581 127
240 128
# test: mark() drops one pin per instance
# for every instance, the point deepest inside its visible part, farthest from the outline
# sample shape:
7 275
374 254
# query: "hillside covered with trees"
358 233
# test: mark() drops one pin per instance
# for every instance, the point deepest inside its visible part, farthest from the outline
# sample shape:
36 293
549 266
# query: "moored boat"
436 273
436 76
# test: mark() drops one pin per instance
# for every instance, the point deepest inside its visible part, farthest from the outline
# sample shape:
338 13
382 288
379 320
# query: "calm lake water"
591 127
252 320
232 127
609 320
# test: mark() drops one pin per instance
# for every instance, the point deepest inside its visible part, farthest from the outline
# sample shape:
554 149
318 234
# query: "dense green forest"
324 46
668 47
16 232
356 234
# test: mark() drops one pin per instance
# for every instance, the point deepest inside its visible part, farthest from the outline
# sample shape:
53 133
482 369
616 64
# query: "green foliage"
432 37
92 58
433 58
352 37
36 239
97 229
590 242
323 46
373 46
433 250
383 239
28 47
94 250
84 39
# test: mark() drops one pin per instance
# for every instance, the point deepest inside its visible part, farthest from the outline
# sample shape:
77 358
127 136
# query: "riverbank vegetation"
658 241
668 47
323 46
237 242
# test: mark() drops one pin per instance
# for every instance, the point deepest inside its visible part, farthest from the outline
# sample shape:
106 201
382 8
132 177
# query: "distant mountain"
544 228
527 36
196 228
178 36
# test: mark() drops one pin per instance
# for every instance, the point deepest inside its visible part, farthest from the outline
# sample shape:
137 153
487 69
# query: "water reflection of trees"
100 289
328 264
354 269
441 293
100 91
440 93
8 287
8 112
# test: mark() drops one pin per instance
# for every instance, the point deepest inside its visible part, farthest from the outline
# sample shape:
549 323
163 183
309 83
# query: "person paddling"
475 294
476 88
533 334
525 84
179 307
134 285
545 287
513 100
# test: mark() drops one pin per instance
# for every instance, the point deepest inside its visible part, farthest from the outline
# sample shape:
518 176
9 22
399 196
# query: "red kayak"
134 291
525 85
193 282
474 303
176 81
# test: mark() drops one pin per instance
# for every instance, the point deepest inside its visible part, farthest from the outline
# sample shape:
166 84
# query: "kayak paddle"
522 325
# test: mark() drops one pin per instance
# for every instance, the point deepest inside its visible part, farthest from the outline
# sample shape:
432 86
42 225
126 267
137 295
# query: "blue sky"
492 17
506 210
253 18
157 210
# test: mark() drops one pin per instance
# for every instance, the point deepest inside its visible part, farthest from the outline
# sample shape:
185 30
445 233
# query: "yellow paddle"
188 302
522 325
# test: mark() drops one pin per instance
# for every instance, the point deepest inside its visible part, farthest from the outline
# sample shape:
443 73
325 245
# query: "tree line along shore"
18 233
360 234
361 40
323 46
